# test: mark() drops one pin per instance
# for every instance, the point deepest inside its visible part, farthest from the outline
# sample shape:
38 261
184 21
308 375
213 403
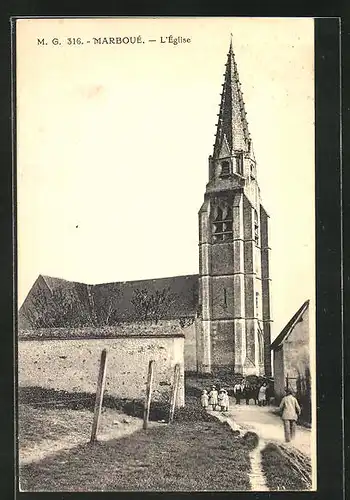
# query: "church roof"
289 326
93 302
232 129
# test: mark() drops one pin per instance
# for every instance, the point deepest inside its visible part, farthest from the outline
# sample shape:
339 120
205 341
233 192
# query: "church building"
227 305
233 246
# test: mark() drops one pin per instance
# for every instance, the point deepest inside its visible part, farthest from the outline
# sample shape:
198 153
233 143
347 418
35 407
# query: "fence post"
99 394
174 392
148 394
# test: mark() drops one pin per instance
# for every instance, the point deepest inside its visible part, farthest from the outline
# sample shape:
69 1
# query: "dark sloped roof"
94 301
182 289
54 283
39 301
289 326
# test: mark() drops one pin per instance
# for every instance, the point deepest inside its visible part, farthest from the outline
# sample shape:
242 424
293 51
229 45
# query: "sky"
113 143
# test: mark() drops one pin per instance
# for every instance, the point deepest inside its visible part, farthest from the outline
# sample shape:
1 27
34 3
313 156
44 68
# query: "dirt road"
267 425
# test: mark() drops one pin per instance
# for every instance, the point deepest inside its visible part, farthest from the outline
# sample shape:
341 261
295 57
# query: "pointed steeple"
232 128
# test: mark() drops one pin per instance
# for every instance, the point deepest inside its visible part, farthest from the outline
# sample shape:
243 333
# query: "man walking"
290 411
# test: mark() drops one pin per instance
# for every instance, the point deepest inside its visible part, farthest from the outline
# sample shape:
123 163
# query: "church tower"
234 283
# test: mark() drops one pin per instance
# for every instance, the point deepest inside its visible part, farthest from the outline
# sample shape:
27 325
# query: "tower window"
257 301
219 214
225 168
252 173
218 237
256 227
239 163
225 297
261 345
222 224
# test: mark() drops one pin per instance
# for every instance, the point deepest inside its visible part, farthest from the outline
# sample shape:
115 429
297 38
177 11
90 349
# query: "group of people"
215 399
289 407
245 390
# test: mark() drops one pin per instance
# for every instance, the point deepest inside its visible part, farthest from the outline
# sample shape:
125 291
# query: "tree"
108 314
152 306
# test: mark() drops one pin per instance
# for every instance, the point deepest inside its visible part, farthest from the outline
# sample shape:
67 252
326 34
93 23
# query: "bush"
250 440
191 413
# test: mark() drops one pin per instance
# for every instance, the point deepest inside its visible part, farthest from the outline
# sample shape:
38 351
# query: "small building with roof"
291 353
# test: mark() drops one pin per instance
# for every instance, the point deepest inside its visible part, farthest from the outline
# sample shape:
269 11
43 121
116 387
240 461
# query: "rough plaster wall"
296 348
73 365
293 357
190 354
278 372
164 327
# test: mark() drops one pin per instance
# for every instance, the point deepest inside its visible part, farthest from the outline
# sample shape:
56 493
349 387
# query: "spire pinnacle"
232 127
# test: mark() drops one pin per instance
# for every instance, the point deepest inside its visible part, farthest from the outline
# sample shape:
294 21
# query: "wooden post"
148 394
174 392
99 394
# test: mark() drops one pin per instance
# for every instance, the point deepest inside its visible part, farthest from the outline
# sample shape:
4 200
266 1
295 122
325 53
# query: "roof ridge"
147 279
290 325
46 276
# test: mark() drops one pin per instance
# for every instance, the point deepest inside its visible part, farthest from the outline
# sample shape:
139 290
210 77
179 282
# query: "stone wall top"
169 328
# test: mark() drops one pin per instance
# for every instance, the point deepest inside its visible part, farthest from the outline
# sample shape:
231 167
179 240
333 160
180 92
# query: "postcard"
166 254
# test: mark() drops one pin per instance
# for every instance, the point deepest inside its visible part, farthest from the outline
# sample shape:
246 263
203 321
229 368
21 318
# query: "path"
256 476
267 425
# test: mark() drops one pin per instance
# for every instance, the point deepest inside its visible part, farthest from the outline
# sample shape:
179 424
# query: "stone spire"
232 128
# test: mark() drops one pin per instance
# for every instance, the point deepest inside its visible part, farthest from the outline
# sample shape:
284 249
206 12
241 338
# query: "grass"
278 472
184 456
49 399
37 425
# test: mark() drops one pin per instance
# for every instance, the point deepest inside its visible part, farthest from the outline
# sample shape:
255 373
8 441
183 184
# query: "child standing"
213 397
204 399
223 400
226 401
